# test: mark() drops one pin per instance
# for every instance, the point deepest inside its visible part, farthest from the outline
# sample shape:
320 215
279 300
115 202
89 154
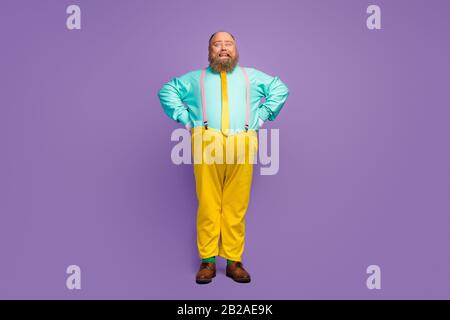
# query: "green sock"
210 259
229 262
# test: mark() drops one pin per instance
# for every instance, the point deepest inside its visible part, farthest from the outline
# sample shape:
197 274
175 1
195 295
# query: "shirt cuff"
263 113
184 117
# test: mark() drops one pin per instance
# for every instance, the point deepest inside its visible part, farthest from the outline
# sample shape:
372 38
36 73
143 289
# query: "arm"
171 97
275 92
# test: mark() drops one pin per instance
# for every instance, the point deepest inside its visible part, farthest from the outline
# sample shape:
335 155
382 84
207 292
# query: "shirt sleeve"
171 97
275 93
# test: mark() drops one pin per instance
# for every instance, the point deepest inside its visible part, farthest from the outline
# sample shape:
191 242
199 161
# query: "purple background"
86 175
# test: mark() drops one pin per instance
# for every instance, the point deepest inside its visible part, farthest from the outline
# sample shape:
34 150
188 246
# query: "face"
223 54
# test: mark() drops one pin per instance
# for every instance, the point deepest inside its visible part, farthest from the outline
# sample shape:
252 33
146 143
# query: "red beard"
218 64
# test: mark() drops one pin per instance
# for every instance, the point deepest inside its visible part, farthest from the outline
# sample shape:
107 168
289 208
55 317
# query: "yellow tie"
225 114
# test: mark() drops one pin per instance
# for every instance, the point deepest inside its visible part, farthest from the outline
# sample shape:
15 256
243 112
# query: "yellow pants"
223 189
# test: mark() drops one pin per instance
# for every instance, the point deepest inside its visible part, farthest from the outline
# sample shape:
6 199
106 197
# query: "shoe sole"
242 280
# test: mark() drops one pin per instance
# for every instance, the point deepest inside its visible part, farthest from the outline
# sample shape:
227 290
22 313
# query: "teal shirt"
182 101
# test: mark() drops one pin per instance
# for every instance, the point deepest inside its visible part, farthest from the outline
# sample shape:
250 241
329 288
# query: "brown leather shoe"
236 271
206 272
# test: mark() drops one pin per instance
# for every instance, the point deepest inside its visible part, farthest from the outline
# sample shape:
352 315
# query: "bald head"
217 33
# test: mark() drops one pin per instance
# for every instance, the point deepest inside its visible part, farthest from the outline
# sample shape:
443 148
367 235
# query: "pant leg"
209 178
236 197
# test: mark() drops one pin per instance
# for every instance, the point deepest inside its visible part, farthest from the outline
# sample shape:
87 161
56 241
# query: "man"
220 105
